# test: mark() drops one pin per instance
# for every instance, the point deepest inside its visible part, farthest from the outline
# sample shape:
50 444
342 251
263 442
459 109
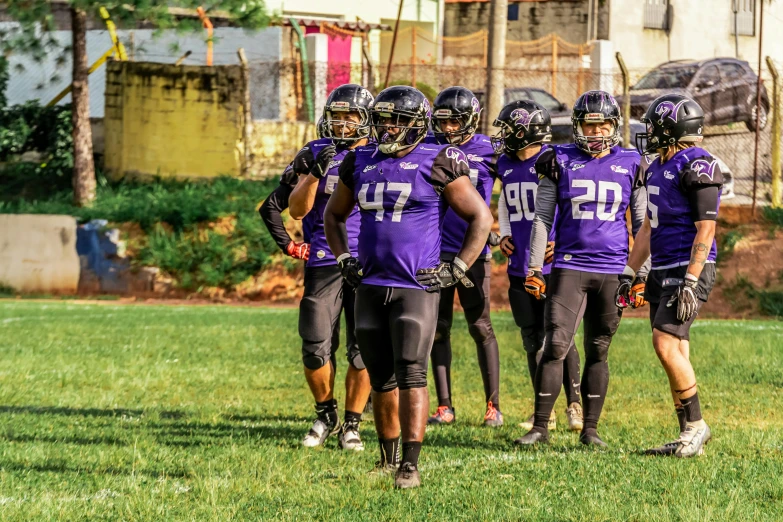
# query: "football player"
590 184
683 195
347 126
525 128
455 118
402 187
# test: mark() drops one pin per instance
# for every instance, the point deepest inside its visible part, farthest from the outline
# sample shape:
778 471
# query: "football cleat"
574 416
320 431
590 438
551 425
693 440
493 417
533 438
443 415
349 438
407 476
383 469
665 450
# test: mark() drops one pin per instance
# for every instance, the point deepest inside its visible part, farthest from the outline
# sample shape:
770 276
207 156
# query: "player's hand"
322 161
549 253
637 292
686 300
494 239
351 270
298 250
622 296
507 246
444 275
535 284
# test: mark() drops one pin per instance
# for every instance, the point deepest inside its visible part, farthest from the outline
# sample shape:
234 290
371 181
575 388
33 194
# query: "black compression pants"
395 328
475 303
529 317
567 290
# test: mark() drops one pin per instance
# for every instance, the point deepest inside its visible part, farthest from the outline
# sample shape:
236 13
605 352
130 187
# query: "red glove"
298 250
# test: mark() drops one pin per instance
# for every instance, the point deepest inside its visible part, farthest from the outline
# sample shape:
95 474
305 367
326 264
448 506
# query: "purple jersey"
593 194
320 254
520 184
481 159
669 209
302 164
401 209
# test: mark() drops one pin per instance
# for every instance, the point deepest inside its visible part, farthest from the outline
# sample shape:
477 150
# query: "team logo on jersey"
368 168
509 171
532 170
333 164
619 169
704 168
457 155
476 158
321 254
668 175
523 118
668 110
409 166
567 257
577 166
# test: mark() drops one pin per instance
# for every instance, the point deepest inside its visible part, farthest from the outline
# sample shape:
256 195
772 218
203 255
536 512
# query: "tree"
33 36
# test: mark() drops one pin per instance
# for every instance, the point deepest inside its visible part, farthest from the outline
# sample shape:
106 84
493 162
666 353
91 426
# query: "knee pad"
481 330
355 357
533 342
315 355
382 385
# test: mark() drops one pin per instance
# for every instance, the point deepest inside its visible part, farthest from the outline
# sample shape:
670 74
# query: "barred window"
746 17
656 14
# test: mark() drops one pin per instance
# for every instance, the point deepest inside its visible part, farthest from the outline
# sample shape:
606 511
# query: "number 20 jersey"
401 209
593 194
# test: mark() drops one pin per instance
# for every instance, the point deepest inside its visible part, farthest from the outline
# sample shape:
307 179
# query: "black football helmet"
670 119
455 103
596 107
320 128
348 98
522 123
403 108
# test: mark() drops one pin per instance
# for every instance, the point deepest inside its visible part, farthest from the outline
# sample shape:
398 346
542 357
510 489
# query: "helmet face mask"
521 124
455 105
348 125
596 107
347 114
399 118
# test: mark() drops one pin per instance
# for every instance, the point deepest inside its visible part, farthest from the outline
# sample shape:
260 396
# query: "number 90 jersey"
320 254
591 233
401 208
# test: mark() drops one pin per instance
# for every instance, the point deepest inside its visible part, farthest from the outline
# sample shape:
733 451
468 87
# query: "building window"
746 17
656 14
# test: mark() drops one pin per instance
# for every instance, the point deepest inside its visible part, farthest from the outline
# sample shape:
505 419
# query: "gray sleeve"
638 213
546 204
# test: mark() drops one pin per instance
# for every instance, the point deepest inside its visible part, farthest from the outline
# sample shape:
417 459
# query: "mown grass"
114 412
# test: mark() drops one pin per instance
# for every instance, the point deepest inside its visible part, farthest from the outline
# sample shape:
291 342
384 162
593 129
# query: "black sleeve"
547 166
639 179
304 160
701 180
493 166
289 177
346 169
450 164
270 212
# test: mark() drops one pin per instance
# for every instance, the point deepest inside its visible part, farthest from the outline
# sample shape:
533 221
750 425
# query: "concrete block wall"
167 120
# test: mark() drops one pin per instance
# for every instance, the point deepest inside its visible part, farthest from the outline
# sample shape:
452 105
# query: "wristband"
628 271
691 277
343 257
460 264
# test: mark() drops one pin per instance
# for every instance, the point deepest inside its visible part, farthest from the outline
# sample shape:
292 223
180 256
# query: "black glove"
685 297
494 239
351 270
444 275
535 284
322 161
622 296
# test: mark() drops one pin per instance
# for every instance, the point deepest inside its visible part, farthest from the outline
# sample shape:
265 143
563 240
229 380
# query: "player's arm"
467 203
339 207
506 241
546 205
271 213
633 280
303 197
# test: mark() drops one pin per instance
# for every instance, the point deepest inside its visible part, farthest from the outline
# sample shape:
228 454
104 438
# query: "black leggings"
568 290
529 316
395 328
475 303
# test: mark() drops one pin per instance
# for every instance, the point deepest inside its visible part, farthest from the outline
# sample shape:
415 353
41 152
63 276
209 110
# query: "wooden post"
554 65
486 45
393 45
776 195
579 71
413 56
626 101
758 113
247 124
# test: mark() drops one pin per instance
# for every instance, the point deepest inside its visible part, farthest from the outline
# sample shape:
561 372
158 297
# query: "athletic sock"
681 417
327 410
549 379
445 402
595 383
692 408
532 364
390 451
351 417
410 452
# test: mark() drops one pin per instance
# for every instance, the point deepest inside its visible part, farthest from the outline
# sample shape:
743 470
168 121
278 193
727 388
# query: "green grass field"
195 413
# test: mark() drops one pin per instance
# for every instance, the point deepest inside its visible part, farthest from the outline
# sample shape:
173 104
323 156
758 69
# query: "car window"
708 74
546 100
732 71
513 95
668 78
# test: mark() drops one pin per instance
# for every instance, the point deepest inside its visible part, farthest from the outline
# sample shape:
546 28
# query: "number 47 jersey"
401 208
593 195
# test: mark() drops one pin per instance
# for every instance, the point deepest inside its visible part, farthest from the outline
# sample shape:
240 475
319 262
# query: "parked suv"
724 87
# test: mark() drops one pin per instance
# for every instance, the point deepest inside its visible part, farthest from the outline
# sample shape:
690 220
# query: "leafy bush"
774 215
771 303
726 244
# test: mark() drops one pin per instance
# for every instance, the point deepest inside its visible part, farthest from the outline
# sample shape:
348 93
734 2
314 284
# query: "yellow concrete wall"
273 144
162 119
38 253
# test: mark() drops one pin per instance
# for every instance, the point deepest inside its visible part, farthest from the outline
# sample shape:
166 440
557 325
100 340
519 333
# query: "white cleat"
319 433
574 416
349 438
693 440
550 426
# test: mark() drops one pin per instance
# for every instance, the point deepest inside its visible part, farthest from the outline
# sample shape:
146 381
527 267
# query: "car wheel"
751 123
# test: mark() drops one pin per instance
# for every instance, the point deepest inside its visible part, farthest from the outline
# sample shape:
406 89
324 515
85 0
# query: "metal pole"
758 109
247 127
589 20
413 56
776 195
394 44
496 74
626 102
554 65
735 6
